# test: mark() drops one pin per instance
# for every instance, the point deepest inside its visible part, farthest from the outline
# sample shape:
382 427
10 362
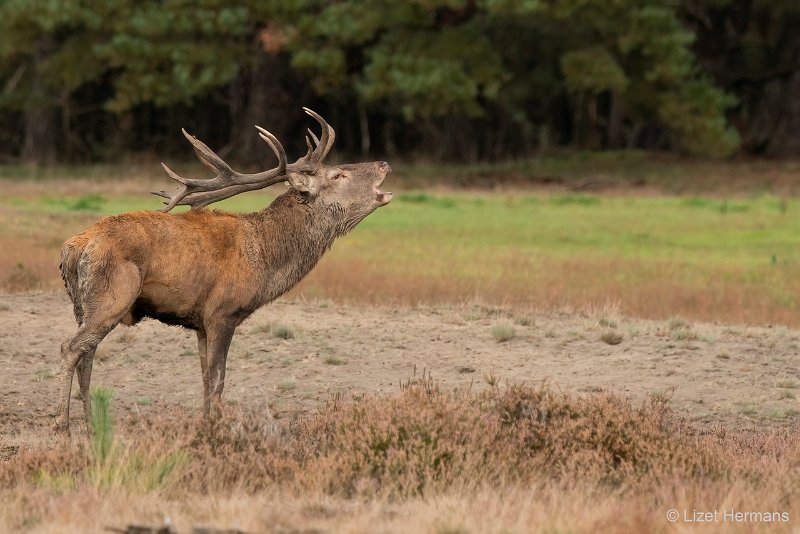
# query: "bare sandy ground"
715 374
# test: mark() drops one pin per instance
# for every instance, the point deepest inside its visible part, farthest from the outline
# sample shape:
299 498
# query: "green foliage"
114 465
592 69
693 111
102 425
510 61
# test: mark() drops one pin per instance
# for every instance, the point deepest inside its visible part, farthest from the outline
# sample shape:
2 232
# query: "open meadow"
584 355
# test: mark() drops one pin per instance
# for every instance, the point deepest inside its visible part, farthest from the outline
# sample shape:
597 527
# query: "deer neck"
292 237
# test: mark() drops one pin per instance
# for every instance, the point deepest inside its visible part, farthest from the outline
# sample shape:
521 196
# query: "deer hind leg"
202 346
84 372
218 343
102 312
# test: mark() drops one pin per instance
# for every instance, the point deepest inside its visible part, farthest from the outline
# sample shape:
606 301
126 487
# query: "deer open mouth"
383 197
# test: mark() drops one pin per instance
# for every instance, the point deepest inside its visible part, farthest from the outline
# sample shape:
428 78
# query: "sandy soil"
716 374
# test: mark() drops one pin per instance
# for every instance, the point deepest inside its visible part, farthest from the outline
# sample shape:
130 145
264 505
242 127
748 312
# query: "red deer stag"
209 270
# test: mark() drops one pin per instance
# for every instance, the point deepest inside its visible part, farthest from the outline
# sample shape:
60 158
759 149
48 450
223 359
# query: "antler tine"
276 147
313 136
310 148
326 141
206 156
227 182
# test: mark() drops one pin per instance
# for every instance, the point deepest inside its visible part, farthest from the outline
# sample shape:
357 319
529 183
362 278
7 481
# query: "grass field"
654 255
611 235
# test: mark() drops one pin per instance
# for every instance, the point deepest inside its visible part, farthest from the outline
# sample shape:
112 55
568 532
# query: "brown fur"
204 270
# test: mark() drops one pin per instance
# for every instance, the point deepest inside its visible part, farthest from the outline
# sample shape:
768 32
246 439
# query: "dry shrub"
38 465
423 441
536 460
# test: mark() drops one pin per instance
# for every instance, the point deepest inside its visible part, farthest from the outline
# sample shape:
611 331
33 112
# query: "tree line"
469 80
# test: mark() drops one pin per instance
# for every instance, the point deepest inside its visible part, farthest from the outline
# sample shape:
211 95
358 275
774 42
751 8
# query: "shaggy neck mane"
292 236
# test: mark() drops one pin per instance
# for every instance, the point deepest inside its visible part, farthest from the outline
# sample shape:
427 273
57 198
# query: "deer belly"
167 306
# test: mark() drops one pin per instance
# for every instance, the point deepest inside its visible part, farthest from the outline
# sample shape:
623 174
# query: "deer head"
352 189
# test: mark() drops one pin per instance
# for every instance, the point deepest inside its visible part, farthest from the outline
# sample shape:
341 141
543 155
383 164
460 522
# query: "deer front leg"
217 344
202 349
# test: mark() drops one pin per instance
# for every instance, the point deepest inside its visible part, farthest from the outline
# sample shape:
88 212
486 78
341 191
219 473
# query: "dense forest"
466 80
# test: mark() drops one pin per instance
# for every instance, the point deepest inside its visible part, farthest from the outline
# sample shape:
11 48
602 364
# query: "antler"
320 147
227 182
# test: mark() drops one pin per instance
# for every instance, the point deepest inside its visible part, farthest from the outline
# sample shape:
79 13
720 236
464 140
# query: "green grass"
116 465
659 256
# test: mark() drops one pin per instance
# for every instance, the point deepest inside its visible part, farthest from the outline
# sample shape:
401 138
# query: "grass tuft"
611 337
114 465
102 425
684 334
504 331
283 331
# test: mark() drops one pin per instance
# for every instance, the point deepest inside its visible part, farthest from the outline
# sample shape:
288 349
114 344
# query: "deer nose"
385 167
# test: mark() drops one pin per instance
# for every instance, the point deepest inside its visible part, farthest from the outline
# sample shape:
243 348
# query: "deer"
208 270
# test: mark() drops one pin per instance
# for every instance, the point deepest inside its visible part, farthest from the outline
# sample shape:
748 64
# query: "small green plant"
611 337
778 413
678 323
607 322
746 408
43 373
144 401
333 360
491 379
282 331
114 465
102 425
4 307
683 334
502 332
787 384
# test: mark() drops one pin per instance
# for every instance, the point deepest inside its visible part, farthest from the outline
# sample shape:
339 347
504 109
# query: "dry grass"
647 289
511 458
656 273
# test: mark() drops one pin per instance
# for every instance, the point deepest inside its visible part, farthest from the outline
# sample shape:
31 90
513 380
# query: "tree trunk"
615 120
266 94
38 145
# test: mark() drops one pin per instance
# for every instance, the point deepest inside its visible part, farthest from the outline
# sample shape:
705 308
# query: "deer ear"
305 183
